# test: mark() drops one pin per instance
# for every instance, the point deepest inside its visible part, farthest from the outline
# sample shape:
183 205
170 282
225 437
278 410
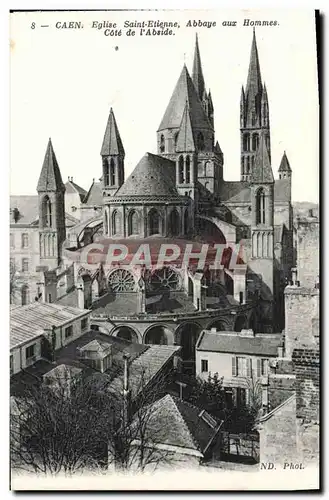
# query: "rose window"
121 280
164 279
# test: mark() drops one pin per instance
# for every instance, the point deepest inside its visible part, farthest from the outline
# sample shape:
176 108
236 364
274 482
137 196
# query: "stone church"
178 194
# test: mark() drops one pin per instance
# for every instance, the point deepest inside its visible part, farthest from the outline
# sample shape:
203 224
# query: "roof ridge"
196 444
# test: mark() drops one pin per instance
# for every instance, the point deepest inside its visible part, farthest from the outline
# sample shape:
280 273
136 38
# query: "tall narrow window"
106 223
106 171
25 240
46 212
176 138
181 170
115 223
248 165
186 221
154 222
162 144
174 223
188 170
25 265
246 140
255 142
260 206
112 172
133 223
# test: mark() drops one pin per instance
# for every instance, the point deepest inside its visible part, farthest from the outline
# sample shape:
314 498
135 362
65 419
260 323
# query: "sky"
63 83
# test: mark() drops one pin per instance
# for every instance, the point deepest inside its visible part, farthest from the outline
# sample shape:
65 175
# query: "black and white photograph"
164 250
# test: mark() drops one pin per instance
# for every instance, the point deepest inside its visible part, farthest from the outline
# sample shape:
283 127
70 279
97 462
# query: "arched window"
207 185
255 142
106 223
174 223
112 172
186 222
181 170
200 142
46 212
25 295
188 170
106 171
162 144
115 222
242 165
154 222
246 140
176 138
267 141
133 223
248 165
260 206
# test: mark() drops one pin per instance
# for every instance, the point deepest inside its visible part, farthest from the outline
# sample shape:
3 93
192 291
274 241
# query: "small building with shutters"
242 358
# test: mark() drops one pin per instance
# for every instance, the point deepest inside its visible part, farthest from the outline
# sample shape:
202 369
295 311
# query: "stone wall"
307 240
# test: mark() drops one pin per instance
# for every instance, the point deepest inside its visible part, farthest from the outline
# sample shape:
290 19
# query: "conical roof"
112 144
184 91
185 139
197 75
50 178
284 165
153 176
262 170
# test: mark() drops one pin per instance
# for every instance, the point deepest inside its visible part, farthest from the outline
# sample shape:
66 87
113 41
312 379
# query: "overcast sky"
63 83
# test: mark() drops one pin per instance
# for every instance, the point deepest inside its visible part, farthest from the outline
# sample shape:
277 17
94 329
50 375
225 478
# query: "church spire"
112 144
197 75
254 82
50 178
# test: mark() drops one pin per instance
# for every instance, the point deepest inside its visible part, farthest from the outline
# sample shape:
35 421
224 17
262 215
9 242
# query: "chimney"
294 276
126 390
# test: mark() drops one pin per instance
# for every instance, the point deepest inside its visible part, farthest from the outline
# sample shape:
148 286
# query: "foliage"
208 394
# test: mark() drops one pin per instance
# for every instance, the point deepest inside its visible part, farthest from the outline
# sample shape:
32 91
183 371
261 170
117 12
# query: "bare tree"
70 422
13 282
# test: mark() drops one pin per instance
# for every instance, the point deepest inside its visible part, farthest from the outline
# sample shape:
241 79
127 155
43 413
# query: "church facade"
178 194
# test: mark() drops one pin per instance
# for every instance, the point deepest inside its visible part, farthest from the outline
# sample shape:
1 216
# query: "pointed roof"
152 176
218 148
254 82
185 139
242 98
184 91
50 178
284 165
262 171
94 197
112 144
177 423
197 75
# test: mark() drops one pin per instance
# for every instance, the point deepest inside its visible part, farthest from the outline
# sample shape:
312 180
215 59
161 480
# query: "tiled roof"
185 139
50 178
235 191
232 342
28 211
184 91
145 367
72 187
282 190
28 322
262 170
112 144
63 371
94 197
174 422
153 175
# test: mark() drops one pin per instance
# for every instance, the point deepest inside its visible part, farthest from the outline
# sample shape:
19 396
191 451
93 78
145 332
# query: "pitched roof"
174 422
112 144
145 367
235 191
184 91
185 139
50 178
94 197
263 344
30 321
282 190
284 165
153 175
197 75
262 170
72 187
